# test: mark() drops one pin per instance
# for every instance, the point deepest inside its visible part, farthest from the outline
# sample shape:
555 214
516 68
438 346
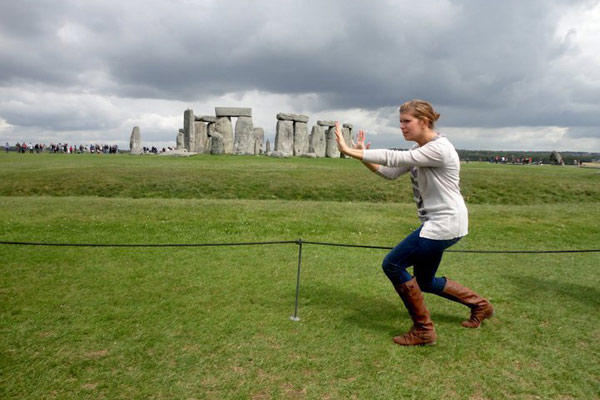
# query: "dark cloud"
490 64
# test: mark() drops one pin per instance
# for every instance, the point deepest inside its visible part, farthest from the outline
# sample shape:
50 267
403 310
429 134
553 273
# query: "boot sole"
416 344
484 318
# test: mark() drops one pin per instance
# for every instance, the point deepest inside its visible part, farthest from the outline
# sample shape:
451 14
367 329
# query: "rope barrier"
147 245
298 242
461 251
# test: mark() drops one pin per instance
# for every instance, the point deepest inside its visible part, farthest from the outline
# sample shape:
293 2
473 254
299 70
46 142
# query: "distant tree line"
569 157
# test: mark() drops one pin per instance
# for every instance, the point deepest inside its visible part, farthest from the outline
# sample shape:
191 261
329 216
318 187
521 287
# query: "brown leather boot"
480 307
422 332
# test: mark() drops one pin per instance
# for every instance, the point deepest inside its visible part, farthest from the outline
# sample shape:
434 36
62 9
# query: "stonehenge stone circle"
244 136
135 141
216 135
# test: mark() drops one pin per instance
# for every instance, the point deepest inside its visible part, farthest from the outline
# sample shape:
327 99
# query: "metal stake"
295 316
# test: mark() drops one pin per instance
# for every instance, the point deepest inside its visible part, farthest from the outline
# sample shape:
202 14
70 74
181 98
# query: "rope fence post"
295 316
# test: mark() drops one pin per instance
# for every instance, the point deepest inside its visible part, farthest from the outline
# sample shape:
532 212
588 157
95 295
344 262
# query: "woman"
434 168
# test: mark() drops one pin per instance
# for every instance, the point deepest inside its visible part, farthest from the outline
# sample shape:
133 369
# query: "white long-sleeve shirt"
435 169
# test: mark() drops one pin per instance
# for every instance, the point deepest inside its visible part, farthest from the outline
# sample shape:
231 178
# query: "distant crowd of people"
63 148
514 160
154 149
77 149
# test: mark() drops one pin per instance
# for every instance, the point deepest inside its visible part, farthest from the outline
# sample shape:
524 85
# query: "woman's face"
412 128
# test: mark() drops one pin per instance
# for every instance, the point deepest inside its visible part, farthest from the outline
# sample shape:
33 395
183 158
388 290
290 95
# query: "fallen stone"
280 154
177 153
309 155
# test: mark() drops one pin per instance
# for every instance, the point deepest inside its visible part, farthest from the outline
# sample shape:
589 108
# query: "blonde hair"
420 109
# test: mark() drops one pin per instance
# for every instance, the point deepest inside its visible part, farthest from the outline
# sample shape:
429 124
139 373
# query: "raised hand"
339 138
360 141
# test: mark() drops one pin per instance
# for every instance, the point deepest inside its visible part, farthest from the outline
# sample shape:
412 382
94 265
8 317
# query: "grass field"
213 323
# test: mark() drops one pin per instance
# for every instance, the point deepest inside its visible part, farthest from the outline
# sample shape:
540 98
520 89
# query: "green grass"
263 178
213 323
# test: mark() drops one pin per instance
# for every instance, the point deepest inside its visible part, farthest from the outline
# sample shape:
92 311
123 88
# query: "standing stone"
268 146
284 137
244 136
217 146
301 145
201 137
331 149
346 133
189 137
223 127
259 137
180 142
135 141
318 144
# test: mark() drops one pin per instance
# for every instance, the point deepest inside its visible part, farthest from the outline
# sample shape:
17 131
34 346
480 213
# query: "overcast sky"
505 75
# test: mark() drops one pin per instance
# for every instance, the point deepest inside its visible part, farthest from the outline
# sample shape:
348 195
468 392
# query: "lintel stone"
326 123
206 118
233 112
292 117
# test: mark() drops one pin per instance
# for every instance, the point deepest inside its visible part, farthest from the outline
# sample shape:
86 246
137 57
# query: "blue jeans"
421 253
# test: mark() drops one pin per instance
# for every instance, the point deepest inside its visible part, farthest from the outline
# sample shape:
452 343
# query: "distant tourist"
7 147
434 168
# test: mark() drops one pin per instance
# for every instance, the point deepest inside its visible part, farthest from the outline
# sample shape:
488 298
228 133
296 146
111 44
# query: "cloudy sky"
505 75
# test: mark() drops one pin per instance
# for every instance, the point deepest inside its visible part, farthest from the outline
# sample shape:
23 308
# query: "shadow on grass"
587 295
370 312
